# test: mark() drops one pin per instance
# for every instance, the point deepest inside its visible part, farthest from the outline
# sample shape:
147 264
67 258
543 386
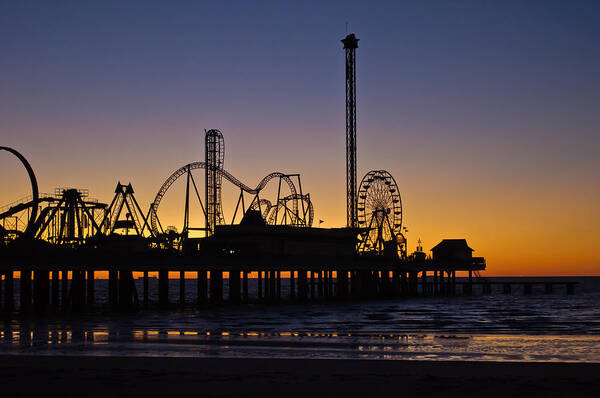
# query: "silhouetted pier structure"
51 288
74 238
282 263
54 279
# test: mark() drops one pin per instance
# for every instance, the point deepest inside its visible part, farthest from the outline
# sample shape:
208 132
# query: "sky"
485 112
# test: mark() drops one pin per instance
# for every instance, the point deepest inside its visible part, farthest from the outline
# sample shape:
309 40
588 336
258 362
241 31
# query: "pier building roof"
452 244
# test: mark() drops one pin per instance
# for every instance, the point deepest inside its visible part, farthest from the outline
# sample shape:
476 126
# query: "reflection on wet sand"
294 344
496 327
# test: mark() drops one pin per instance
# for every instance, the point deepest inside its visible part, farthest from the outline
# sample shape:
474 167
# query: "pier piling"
163 287
302 286
113 295
202 288
55 290
146 289
9 302
260 285
64 289
181 288
245 286
234 287
25 292
216 286
41 290
91 289
278 285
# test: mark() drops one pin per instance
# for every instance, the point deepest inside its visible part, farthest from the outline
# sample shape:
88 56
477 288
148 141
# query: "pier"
271 254
51 288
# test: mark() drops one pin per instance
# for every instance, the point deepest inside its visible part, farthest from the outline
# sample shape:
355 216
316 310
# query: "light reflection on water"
188 343
492 328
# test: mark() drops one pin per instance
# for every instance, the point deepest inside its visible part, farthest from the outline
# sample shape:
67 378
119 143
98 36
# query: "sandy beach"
183 377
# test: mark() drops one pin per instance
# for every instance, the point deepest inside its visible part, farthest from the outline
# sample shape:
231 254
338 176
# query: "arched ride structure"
124 204
284 213
293 209
380 213
32 209
68 216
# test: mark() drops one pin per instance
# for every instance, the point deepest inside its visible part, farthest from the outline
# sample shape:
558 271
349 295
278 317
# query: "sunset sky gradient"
486 113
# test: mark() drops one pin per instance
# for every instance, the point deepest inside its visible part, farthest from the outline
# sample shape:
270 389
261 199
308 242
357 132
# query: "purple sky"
485 112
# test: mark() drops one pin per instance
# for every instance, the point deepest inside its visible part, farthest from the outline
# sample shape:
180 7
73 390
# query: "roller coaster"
294 209
70 217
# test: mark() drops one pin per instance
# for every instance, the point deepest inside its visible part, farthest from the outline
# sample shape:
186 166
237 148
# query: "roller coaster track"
22 206
228 176
19 207
263 204
305 219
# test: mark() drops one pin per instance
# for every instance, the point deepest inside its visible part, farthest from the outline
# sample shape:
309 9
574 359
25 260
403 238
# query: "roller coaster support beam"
186 216
277 202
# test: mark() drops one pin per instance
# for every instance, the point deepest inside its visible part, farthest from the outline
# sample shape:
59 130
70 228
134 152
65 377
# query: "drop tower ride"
350 46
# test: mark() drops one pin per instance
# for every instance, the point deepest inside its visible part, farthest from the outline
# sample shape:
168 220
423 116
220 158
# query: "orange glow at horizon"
489 128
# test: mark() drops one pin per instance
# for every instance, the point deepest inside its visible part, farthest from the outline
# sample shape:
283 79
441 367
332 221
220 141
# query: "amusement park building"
253 237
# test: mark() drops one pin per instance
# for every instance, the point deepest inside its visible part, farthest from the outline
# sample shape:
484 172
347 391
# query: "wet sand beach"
22 375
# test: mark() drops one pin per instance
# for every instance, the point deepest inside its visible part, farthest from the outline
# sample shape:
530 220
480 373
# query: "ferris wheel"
379 210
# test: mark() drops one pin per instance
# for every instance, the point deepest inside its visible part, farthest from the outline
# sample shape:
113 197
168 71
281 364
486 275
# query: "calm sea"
496 327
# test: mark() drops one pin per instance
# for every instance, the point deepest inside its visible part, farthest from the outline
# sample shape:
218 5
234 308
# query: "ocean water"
496 327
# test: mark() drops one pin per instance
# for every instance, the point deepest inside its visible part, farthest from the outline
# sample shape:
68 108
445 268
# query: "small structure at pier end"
456 252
